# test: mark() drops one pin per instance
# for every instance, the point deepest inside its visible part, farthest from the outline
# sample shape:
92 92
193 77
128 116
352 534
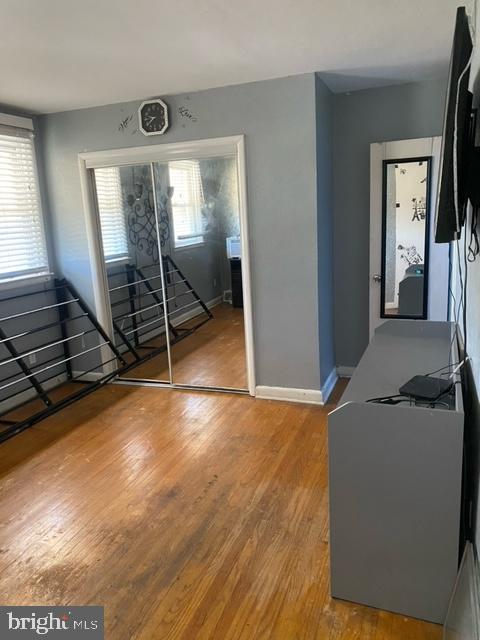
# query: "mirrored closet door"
198 203
131 251
171 238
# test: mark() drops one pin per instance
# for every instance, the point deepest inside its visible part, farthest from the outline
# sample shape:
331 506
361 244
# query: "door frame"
391 150
205 148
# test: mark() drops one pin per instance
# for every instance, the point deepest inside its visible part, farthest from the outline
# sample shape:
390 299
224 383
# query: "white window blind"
23 248
187 202
112 215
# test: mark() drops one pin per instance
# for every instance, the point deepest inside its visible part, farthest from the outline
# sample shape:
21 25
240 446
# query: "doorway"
169 250
408 271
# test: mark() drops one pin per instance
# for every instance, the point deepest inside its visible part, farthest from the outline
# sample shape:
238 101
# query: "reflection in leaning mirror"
406 217
126 209
171 242
198 205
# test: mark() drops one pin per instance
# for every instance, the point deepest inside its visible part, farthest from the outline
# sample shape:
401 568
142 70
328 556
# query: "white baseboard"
345 372
91 376
30 394
308 396
329 384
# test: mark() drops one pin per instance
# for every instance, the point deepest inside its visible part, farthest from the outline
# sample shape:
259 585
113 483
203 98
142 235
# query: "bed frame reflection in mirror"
405 233
169 254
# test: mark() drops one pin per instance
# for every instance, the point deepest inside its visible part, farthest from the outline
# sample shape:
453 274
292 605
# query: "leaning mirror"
405 231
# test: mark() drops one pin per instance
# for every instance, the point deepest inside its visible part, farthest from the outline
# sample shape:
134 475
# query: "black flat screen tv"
452 190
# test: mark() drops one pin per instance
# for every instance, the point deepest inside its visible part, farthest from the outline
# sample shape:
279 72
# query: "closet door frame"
207 148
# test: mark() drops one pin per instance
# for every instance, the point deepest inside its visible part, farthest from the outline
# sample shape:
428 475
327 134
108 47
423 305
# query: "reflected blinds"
187 201
112 217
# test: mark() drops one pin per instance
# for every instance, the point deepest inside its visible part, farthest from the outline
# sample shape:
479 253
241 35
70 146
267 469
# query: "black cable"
447 366
396 399
474 244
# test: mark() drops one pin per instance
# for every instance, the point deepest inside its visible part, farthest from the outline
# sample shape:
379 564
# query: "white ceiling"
57 55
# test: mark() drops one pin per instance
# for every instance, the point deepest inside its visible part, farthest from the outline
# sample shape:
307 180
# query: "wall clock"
153 117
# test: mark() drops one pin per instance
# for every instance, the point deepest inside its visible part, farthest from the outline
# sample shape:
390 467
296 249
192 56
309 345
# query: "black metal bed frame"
73 321
140 285
29 375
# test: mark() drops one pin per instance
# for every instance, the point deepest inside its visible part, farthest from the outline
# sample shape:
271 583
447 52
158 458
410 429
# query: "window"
23 249
112 216
187 202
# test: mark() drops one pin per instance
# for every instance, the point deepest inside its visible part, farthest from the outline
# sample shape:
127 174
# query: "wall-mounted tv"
452 192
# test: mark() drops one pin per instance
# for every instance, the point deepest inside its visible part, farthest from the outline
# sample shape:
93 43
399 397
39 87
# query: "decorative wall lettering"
124 124
186 114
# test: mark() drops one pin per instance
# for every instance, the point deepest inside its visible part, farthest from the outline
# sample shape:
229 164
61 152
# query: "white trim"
91 376
205 148
185 247
305 396
329 384
25 281
16 121
246 272
231 145
146 382
113 262
345 372
97 261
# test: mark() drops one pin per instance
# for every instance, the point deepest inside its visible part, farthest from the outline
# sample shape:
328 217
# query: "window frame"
178 245
118 258
28 276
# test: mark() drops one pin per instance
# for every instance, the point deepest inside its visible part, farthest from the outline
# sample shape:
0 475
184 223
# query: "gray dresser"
395 476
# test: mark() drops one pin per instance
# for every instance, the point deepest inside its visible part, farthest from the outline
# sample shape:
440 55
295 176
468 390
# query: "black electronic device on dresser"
237 289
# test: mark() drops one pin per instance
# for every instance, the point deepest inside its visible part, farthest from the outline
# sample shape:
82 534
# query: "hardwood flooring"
187 515
213 356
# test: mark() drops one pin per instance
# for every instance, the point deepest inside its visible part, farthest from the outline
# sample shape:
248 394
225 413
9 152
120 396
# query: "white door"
438 261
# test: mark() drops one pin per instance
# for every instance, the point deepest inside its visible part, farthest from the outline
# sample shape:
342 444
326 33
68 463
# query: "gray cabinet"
395 477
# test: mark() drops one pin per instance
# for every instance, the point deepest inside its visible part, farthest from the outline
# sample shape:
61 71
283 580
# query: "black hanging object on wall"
452 197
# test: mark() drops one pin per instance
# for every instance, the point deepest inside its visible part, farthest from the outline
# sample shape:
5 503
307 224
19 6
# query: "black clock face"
154 117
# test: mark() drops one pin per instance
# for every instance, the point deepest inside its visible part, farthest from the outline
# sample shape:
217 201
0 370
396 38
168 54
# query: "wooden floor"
187 515
213 356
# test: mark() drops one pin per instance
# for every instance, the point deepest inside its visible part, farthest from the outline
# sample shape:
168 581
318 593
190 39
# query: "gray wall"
278 119
324 149
360 118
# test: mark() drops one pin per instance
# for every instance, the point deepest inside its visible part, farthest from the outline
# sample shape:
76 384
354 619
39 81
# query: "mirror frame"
385 164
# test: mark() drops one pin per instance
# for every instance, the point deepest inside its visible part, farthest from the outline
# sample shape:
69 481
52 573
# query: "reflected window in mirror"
405 233
186 202
111 212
